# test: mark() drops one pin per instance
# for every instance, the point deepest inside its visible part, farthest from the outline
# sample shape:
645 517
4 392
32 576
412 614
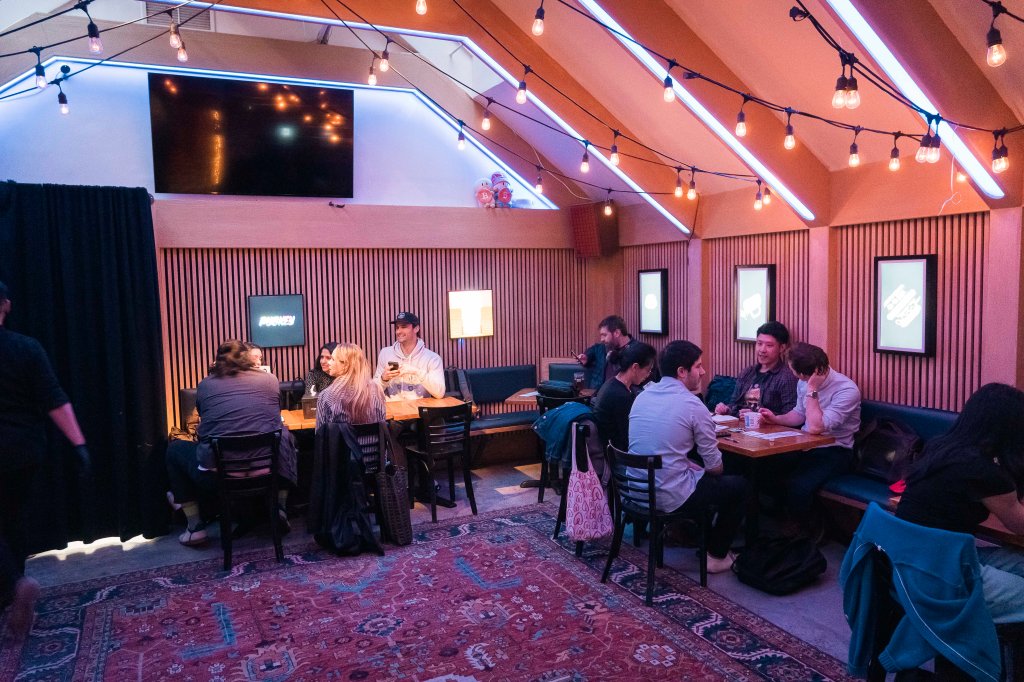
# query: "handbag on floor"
587 516
780 565
393 492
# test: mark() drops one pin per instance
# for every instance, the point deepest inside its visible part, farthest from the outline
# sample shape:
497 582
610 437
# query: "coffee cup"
752 420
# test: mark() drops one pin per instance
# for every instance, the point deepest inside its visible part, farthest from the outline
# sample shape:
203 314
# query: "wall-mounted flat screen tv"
276 321
218 136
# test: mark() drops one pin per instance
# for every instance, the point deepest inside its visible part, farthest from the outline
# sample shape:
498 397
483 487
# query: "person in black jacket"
29 393
615 399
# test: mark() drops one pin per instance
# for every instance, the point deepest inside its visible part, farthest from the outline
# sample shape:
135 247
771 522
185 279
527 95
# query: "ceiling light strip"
884 57
697 108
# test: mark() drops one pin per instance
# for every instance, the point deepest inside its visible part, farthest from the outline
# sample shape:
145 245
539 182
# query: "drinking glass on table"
753 398
577 382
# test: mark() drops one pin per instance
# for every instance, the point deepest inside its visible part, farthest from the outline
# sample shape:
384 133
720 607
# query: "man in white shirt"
407 370
667 419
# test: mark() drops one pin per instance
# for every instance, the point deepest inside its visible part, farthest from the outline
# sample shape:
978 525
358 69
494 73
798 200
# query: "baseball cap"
406 317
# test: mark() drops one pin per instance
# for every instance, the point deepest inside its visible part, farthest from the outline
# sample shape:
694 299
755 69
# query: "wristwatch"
812 394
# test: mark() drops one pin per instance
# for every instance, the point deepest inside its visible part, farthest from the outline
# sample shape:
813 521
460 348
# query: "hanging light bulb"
462 137
40 76
486 123
921 156
174 37
62 101
93 31
758 198
852 94
385 57
691 192
854 156
894 157
539 186
960 175
741 124
538 21
790 141
934 149
669 95
614 149
1000 154
767 196
839 96
182 53
996 53
585 162
607 207
521 93
679 183
421 7
372 78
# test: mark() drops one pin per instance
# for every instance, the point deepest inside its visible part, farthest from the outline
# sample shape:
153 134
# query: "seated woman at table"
615 399
235 399
318 378
353 397
977 468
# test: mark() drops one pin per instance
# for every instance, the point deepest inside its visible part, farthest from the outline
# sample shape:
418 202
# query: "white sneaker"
716 565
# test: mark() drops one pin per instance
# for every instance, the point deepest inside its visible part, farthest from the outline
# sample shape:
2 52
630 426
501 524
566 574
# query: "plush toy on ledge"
484 194
502 191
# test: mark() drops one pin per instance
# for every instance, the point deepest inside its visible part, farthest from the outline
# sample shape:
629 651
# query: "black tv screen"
276 321
216 136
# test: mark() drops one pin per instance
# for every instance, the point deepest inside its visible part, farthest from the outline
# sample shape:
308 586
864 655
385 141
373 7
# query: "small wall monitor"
277 321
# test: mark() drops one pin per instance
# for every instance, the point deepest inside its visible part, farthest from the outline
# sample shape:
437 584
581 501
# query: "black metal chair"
373 441
242 474
635 498
544 403
443 435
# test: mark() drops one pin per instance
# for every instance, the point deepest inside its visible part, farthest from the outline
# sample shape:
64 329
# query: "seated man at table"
668 419
407 370
827 402
768 382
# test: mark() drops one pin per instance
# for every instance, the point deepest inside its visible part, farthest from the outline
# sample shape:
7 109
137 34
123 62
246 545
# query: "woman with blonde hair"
352 397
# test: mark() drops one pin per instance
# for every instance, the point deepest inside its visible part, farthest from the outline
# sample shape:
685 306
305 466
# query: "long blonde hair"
356 377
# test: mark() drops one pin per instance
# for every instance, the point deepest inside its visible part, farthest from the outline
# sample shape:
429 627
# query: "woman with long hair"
352 397
318 378
615 399
975 469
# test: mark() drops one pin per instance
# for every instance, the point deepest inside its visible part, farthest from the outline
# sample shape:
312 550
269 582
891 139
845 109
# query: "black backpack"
780 565
886 448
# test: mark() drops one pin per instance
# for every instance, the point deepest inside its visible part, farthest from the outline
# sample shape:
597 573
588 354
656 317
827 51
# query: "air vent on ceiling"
160 14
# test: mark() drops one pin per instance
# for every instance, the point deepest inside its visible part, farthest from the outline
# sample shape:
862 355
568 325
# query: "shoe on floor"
716 565
22 611
193 538
283 526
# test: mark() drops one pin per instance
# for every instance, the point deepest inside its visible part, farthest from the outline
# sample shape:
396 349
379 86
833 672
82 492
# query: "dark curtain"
80 263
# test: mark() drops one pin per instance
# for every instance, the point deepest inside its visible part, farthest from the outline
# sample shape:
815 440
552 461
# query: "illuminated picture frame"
652 291
753 299
906 293
470 314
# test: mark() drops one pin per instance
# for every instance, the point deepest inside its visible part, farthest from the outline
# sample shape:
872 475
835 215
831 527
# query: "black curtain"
80 263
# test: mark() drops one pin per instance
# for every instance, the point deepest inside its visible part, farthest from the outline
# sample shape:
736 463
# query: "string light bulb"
669 94
40 77
174 38
691 192
538 21
608 204
62 102
679 182
960 175
486 123
614 149
182 53
996 53
854 159
767 196
462 137
585 162
921 155
421 7
894 155
385 57
539 186
790 140
1000 154
372 78
839 96
852 94
759 197
95 42
741 124
934 149
521 92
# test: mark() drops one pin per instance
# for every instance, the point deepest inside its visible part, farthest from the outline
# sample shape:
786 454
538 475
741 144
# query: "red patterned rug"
487 598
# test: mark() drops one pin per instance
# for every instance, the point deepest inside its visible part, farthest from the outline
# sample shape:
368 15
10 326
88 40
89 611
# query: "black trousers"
15 487
729 495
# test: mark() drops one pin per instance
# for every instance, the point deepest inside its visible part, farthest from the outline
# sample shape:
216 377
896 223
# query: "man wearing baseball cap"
407 369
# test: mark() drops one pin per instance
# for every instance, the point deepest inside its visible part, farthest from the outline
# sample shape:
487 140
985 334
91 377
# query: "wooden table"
528 396
395 410
756 449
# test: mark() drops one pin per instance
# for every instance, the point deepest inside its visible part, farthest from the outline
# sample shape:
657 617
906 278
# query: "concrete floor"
814 614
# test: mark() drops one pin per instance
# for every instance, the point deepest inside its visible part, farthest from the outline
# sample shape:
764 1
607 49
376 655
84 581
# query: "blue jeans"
1002 577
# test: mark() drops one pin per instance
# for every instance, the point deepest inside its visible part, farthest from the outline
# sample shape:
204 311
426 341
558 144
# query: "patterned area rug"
487 598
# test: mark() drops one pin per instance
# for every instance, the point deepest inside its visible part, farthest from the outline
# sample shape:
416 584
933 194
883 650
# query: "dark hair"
5 294
613 322
232 358
329 347
775 329
678 354
318 377
989 427
635 353
249 345
807 359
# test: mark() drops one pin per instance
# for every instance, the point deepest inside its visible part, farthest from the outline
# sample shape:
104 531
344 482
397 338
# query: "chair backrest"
444 431
186 403
243 461
372 442
544 403
633 479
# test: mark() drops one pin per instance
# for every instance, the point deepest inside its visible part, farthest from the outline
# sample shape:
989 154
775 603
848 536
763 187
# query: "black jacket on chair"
338 514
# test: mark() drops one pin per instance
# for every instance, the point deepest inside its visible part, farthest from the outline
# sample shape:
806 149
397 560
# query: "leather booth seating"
291 398
490 386
861 488
564 371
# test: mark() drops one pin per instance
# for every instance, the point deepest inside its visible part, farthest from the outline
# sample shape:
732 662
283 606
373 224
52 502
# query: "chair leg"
579 548
562 511
413 477
275 532
433 490
544 479
225 531
451 479
658 543
613 551
702 548
468 478
652 559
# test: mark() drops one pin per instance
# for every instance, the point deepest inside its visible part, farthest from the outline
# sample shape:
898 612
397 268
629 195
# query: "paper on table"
723 418
772 436
529 395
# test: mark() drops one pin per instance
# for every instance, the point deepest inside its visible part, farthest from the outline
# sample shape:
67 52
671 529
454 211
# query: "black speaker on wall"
594 234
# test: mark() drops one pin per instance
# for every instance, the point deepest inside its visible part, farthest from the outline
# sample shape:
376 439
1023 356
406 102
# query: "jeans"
1002 577
805 472
729 495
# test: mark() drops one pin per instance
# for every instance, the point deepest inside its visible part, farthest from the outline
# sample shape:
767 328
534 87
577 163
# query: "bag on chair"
393 492
587 516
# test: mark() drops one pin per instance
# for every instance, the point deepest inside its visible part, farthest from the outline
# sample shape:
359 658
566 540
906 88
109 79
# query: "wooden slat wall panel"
946 380
788 252
352 294
670 255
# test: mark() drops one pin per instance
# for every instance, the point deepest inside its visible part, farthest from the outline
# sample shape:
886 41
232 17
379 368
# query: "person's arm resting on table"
1007 509
707 445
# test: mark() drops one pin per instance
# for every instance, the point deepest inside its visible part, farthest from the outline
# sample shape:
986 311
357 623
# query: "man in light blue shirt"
667 419
827 403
